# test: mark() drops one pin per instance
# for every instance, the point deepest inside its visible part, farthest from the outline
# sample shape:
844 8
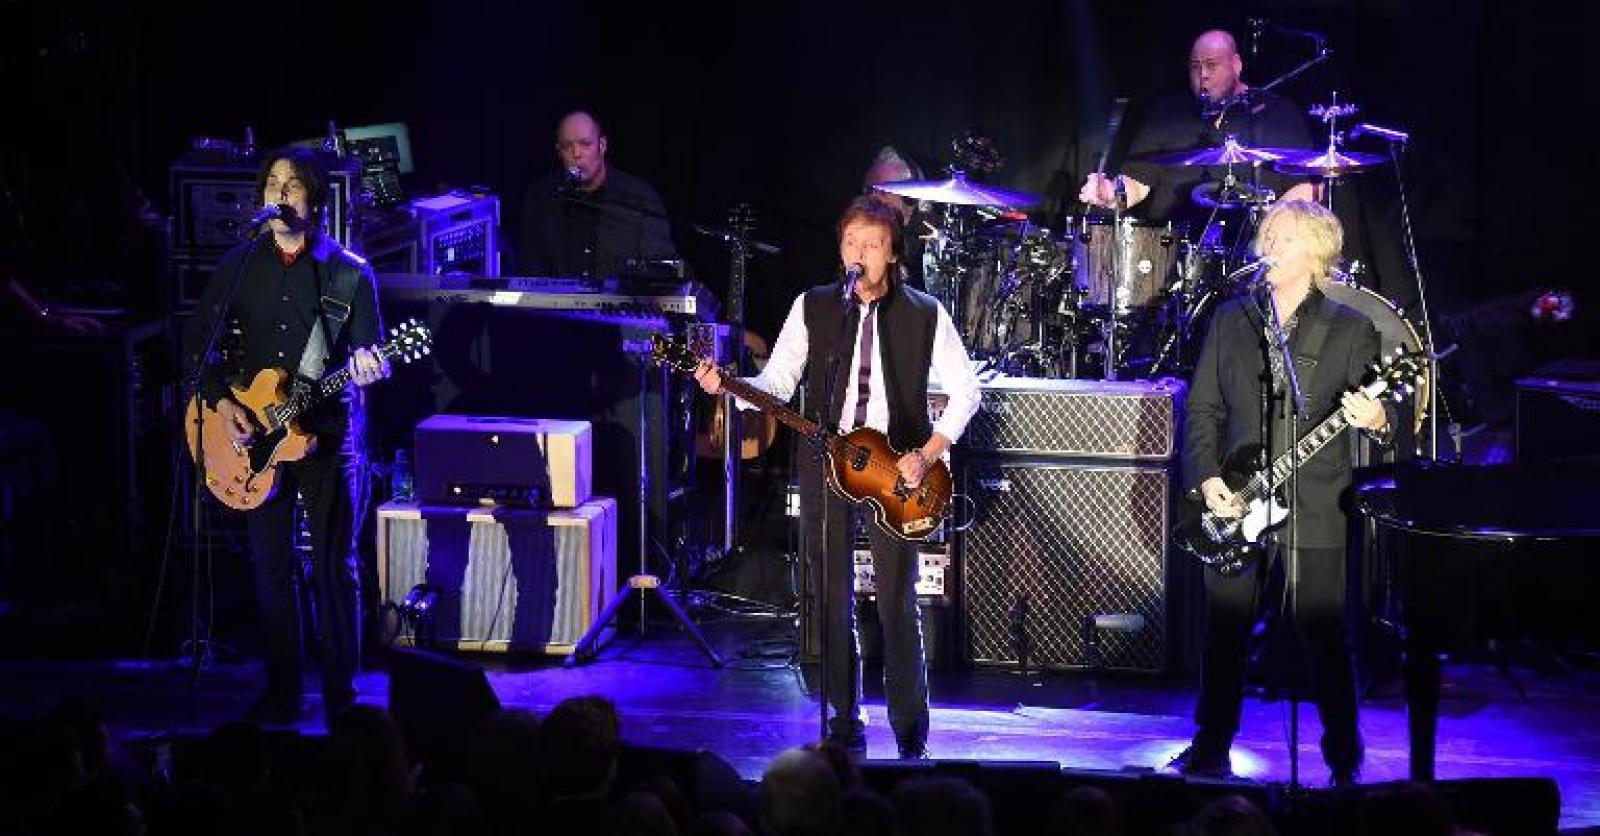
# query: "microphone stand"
1395 147
192 391
1298 409
826 417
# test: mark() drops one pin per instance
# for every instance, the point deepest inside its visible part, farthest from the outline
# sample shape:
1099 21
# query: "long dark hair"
312 175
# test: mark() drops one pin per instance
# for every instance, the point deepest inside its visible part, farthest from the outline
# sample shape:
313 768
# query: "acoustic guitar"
243 476
862 465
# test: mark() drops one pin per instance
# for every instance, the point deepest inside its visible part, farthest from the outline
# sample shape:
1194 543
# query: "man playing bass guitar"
304 305
899 336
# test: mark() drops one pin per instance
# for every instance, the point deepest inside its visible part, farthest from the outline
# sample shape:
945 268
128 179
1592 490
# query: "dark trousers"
894 565
1231 607
326 480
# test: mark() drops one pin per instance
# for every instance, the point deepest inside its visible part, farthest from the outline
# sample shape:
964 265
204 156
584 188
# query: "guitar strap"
335 292
1313 333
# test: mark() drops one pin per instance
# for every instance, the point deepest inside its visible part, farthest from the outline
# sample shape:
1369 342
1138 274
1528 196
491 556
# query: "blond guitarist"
898 337
305 305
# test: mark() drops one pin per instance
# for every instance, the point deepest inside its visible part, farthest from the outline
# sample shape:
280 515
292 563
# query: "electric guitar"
243 476
1231 544
862 465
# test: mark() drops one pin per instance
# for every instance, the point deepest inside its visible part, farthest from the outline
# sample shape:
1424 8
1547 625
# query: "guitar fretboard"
303 398
1309 444
769 404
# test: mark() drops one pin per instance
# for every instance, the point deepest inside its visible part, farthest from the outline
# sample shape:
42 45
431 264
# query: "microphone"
852 274
574 175
271 211
1381 132
1260 266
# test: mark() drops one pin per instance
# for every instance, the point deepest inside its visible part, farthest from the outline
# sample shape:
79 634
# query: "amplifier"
935 581
474 460
1088 418
505 578
211 202
1068 563
458 234
1557 419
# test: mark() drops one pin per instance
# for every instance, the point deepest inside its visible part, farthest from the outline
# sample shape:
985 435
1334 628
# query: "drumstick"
1113 126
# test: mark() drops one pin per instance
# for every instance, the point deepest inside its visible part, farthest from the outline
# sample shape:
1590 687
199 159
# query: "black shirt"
592 234
275 308
1175 123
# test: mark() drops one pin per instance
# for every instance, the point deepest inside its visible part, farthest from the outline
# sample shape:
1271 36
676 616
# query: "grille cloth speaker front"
1078 542
1076 418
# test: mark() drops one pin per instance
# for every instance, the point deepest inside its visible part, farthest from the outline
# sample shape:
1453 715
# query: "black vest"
907 321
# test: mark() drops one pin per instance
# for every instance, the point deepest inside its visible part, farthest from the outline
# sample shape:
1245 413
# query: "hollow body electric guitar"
244 476
1231 544
862 465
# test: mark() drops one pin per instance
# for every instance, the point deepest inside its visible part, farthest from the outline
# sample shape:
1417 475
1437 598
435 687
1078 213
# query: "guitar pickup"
859 459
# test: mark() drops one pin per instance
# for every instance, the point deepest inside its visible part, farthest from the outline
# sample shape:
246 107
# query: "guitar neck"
330 384
1308 446
769 404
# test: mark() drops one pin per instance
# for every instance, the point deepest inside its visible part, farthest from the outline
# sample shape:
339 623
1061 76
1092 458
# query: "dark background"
782 105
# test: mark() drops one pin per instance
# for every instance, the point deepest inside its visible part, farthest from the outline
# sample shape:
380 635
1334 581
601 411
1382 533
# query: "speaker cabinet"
1066 564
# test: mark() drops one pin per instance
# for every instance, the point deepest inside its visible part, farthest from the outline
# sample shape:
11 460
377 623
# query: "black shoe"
914 752
271 709
1344 777
854 742
1203 763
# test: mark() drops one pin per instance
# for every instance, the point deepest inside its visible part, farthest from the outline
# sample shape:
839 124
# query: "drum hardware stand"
642 583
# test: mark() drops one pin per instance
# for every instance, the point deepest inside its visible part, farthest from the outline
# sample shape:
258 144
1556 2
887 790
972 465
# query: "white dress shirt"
949 369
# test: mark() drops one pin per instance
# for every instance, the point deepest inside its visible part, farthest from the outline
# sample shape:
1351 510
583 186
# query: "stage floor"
668 695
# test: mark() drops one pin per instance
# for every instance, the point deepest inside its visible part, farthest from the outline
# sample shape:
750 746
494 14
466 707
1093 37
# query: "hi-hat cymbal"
1217 195
959 191
1329 163
1230 152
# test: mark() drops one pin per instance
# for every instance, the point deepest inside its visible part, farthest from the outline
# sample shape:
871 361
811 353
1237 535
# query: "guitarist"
304 304
1332 346
898 335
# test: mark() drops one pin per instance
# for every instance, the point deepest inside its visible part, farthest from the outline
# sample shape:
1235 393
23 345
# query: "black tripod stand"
642 583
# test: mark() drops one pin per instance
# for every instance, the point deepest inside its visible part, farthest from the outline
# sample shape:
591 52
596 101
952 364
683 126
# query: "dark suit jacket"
1223 411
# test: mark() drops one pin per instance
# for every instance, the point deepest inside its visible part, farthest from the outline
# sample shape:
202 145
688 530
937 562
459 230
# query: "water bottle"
402 488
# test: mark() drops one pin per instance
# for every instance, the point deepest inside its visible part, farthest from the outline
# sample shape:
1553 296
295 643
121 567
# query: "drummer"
887 167
1218 104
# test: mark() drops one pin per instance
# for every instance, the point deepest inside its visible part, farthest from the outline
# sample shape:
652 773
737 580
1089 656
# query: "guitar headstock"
674 353
1397 375
680 354
410 340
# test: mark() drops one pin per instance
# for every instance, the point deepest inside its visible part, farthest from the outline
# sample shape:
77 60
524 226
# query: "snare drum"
1394 331
1124 268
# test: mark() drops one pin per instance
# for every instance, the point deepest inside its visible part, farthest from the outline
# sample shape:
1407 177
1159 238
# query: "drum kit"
1117 297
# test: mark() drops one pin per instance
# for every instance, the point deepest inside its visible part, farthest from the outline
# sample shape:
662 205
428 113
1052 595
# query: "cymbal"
1329 163
1230 152
960 191
1217 195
